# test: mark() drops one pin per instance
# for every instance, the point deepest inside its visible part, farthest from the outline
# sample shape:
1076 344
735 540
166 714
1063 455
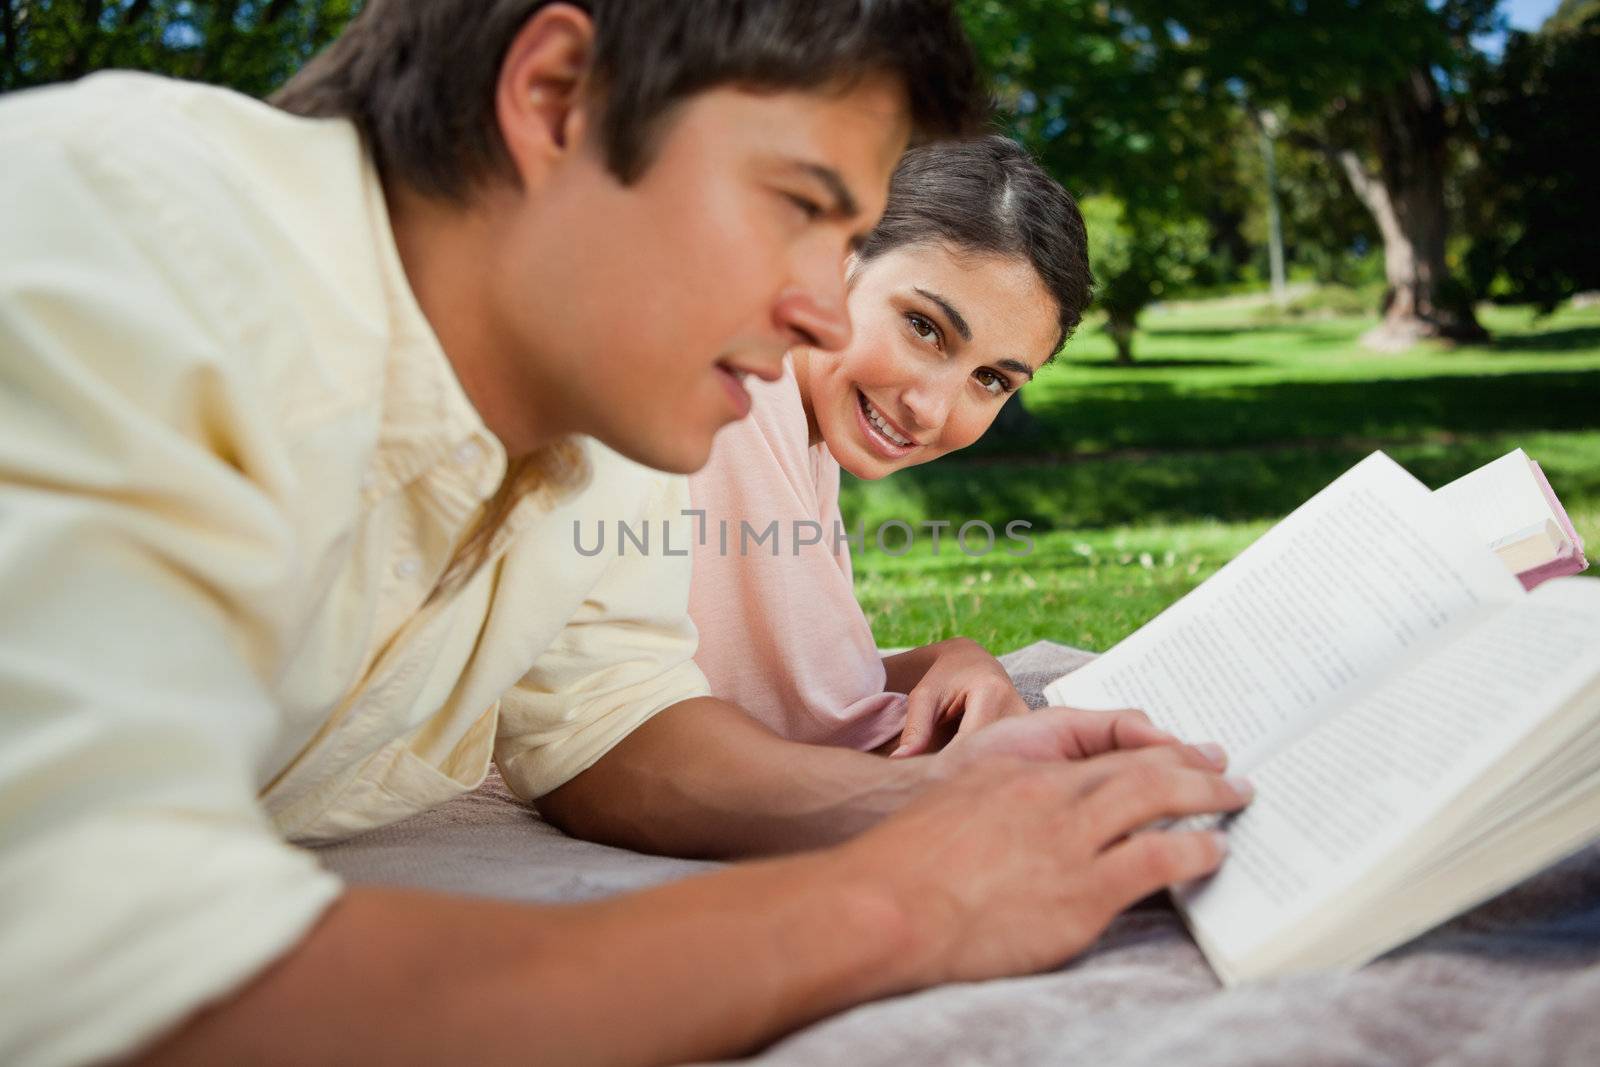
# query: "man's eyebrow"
844 202
949 312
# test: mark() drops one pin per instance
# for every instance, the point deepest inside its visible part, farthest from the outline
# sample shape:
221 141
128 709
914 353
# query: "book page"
1501 501
1347 795
1362 576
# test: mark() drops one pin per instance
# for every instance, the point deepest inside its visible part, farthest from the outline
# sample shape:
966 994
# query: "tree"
1376 85
249 45
1136 261
1531 213
1117 113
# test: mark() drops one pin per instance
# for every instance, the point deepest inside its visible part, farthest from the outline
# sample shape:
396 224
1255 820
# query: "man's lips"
733 385
766 370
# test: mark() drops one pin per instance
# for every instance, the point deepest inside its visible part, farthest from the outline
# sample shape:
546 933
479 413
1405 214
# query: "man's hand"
1056 734
1014 866
963 687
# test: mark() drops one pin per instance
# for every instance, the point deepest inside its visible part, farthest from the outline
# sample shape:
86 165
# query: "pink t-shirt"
781 633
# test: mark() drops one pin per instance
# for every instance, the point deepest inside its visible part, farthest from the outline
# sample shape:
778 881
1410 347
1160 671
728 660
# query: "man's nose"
814 312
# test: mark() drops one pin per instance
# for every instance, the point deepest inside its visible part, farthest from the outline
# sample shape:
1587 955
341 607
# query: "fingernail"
1221 840
899 751
1243 787
1213 752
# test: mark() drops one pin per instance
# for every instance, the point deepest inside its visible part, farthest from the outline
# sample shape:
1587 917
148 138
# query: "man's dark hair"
988 195
418 76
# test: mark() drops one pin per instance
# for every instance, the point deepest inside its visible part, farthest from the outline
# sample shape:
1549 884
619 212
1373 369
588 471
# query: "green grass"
1141 481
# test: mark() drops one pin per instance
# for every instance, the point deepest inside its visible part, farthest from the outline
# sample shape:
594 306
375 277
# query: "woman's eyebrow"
1016 365
949 311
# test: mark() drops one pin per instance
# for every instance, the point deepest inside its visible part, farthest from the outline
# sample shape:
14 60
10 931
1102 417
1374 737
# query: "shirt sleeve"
139 879
626 654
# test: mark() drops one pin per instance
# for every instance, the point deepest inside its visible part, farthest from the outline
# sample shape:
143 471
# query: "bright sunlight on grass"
1141 481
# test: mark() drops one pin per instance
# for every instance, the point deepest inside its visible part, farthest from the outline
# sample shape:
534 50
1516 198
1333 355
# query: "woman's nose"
930 401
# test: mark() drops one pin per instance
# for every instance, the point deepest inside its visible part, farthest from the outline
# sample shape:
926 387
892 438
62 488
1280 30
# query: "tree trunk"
1406 198
1120 325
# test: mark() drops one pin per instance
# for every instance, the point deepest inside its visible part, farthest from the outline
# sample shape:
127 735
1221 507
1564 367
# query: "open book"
1421 731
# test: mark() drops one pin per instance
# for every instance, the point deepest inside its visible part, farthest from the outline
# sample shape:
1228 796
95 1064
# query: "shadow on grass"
1092 417
1228 486
1571 339
1213 333
1165 364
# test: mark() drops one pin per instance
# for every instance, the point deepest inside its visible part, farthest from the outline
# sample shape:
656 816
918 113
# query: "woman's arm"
953 686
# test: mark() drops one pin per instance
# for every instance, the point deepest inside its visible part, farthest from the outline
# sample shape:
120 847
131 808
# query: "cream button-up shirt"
234 463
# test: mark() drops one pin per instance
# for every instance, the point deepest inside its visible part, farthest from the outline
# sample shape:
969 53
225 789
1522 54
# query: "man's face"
635 310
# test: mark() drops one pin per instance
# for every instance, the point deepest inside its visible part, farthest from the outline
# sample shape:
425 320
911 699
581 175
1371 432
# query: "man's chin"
683 453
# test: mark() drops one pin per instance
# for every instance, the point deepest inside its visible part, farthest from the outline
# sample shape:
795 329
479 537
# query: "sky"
1522 15
1528 14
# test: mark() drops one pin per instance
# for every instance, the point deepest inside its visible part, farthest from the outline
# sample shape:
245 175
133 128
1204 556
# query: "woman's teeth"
881 425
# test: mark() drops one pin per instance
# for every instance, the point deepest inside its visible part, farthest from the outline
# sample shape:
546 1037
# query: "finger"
982 708
922 715
1133 869
1137 713
1091 733
1143 793
1094 771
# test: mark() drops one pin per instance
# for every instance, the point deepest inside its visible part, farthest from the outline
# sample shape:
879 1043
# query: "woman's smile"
881 432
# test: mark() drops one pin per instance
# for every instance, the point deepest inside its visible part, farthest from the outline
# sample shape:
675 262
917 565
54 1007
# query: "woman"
970 283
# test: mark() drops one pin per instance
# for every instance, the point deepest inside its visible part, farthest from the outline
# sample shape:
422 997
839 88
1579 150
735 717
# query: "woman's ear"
540 97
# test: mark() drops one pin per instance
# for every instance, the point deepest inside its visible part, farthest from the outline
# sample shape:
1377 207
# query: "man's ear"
540 95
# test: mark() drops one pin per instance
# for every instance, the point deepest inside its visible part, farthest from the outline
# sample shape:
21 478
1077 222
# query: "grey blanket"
1517 981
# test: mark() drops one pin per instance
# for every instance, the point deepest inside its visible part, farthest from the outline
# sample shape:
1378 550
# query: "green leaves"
249 45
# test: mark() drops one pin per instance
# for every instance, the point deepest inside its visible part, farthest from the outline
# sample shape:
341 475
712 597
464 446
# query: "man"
300 412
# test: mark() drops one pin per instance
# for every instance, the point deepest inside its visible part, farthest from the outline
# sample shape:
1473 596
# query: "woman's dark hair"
988 195
418 76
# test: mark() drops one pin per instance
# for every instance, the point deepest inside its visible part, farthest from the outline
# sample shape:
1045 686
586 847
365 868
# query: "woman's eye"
924 328
997 384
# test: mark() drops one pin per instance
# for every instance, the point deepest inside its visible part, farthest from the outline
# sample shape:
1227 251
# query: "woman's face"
941 339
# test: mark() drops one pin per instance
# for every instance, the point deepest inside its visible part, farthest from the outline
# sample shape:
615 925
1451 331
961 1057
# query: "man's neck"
443 250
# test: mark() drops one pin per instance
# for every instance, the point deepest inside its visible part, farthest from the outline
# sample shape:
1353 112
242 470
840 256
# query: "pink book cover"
1570 561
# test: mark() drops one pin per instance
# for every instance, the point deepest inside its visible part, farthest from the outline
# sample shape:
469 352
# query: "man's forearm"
704 779
705 968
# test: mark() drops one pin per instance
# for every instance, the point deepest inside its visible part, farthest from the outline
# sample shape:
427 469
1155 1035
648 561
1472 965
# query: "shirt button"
467 454
407 568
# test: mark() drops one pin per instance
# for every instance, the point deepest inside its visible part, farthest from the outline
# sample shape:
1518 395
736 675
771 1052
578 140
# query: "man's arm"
705 968
1009 868
703 779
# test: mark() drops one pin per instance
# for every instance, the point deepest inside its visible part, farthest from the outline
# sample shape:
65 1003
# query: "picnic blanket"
1516 981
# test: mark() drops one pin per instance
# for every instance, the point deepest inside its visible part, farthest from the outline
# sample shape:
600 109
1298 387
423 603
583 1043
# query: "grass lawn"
1141 481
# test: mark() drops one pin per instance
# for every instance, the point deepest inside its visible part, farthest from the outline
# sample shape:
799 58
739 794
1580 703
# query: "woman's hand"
965 687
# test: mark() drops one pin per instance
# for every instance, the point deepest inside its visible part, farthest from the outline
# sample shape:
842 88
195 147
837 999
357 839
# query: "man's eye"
923 327
808 207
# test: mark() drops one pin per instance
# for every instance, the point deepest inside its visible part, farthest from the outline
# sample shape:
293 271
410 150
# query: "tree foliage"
1532 213
1136 263
249 45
